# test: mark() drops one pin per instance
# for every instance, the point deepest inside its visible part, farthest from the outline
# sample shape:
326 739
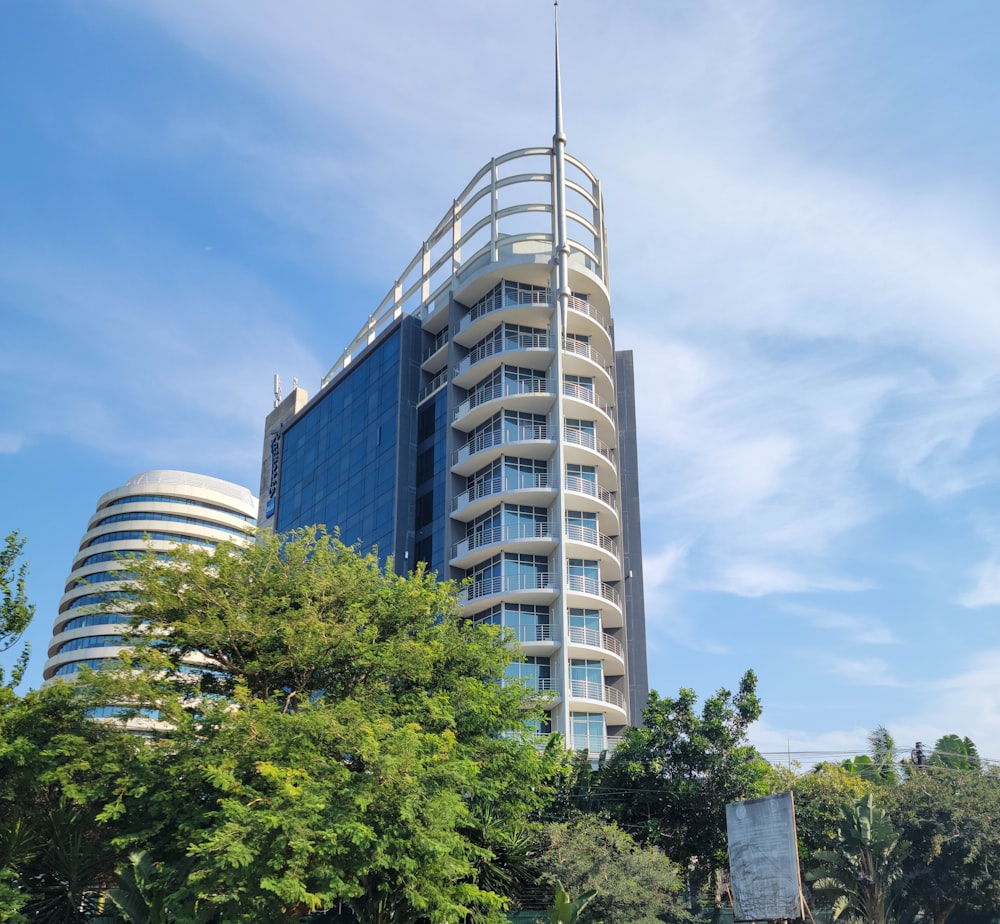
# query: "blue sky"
803 206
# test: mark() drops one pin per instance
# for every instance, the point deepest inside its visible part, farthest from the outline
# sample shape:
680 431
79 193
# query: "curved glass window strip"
98 599
73 667
143 534
115 712
165 499
116 556
103 577
94 619
169 518
91 641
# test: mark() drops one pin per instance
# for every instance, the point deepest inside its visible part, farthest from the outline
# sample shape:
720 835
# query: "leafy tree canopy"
862 876
955 753
341 733
951 818
634 884
669 781
16 612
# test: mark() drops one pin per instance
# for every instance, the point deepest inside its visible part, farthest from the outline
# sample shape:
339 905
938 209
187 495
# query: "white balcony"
508 584
531 538
595 638
525 486
463 459
577 583
579 485
589 536
589 441
599 692
520 343
587 396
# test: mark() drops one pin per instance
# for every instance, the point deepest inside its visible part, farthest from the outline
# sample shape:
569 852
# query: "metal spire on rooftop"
559 190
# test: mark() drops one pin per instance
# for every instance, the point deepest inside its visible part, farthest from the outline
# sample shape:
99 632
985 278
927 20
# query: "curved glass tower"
155 510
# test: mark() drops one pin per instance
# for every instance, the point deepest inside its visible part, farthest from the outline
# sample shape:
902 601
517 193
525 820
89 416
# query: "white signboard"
764 859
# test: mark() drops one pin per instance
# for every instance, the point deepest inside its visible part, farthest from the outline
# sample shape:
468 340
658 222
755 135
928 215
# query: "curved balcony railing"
494 486
500 390
507 583
499 437
527 635
498 534
582 306
586 486
595 638
538 684
593 744
580 348
589 689
513 344
522 298
588 440
592 537
596 588
583 393
510 186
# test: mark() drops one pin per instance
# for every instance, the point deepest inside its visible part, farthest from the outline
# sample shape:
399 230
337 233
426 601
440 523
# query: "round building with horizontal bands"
152 511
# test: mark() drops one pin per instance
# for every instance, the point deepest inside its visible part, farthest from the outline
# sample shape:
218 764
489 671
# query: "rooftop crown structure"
483 422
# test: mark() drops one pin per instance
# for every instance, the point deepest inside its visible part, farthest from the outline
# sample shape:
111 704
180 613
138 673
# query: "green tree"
819 796
565 910
668 782
955 753
16 612
56 769
862 876
337 744
634 884
951 819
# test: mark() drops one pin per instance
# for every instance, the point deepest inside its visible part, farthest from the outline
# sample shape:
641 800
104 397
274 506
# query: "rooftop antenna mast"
559 169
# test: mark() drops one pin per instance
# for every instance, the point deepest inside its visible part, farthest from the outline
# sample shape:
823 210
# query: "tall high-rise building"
155 510
483 422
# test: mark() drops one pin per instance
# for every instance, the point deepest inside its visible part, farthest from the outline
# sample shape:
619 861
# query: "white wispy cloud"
864 629
177 368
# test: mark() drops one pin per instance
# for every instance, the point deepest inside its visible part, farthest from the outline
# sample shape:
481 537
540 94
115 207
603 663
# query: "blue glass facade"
432 469
349 460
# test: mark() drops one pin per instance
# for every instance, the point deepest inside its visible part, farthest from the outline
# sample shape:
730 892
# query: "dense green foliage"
668 782
324 736
15 611
638 886
862 876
